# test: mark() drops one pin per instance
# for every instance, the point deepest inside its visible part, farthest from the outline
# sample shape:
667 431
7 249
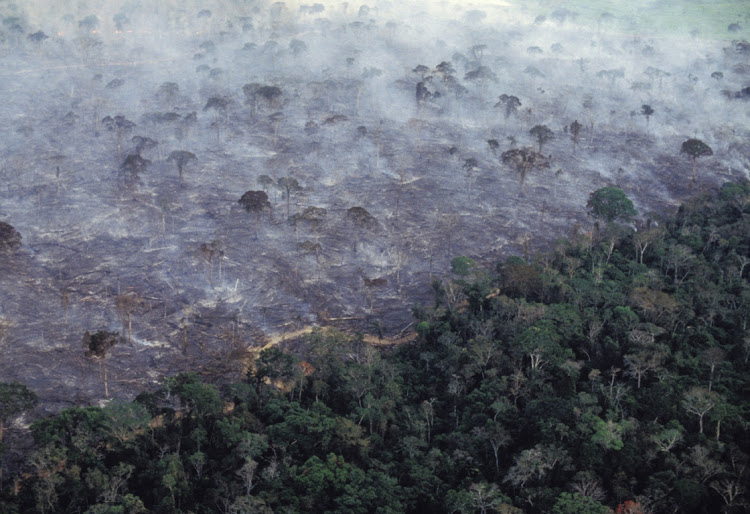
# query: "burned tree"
575 130
181 158
265 182
254 92
696 148
120 126
314 217
509 104
289 187
256 202
143 143
168 91
362 220
471 165
10 239
647 111
127 304
132 167
524 160
542 134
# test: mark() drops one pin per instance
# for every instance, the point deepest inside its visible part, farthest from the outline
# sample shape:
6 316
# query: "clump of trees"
611 204
606 376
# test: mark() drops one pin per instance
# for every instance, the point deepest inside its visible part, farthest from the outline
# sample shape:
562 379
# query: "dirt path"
275 339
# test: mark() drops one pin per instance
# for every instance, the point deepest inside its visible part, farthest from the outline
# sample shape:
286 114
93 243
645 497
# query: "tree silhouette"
133 165
362 220
542 134
509 103
120 126
216 103
470 166
89 23
181 158
168 91
647 111
575 129
313 216
143 143
37 37
265 182
255 201
254 92
289 187
656 74
524 160
695 148
10 239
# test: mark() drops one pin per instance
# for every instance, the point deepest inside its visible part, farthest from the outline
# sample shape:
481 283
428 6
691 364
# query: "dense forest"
609 375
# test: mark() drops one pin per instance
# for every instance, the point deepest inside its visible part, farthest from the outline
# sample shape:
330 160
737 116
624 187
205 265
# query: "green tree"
695 148
462 266
574 503
611 204
699 401
15 399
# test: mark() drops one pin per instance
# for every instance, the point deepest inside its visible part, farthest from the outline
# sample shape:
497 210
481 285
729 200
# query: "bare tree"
181 158
362 220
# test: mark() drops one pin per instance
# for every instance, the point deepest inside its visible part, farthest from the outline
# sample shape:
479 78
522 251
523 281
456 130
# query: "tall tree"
509 104
699 401
647 111
362 220
256 202
542 134
695 148
575 130
289 187
611 204
181 158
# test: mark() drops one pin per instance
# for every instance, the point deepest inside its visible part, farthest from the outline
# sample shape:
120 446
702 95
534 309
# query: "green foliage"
15 398
462 265
568 503
526 398
611 204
